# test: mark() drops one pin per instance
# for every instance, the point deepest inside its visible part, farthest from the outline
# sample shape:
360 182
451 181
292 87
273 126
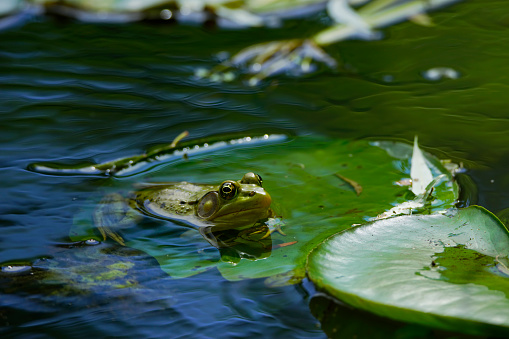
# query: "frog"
227 205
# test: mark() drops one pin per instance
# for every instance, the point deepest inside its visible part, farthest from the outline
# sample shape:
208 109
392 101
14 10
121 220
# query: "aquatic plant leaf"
379 14
420 172
441 194
315 204
341 12
139 163
310 200
444 270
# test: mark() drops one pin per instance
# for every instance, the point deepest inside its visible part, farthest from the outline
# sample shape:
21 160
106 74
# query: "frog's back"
171 200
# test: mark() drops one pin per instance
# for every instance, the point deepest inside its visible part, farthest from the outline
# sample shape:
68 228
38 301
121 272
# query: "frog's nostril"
252 193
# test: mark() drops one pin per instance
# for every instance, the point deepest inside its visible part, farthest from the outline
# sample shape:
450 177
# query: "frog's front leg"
274 225
112 215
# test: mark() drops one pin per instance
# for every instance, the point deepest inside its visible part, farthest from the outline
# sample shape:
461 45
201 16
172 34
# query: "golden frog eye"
228 190
208 205
259 177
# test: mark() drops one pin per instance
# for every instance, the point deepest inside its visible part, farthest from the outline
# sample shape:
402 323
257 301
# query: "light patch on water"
92 242
16 269
166 14
440 73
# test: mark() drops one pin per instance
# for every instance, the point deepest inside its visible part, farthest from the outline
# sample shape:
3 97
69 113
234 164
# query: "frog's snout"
266 200
262 198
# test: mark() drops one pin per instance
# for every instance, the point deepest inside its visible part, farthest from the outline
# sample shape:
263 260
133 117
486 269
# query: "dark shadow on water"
342 321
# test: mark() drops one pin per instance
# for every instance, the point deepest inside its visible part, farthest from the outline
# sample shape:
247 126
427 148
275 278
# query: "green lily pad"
318 187
444 271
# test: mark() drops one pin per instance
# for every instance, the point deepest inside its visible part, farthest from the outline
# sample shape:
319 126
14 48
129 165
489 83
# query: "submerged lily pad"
318 187
445 271
84 269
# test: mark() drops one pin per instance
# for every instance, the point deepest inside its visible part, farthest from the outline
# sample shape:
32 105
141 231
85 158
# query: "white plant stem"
379 14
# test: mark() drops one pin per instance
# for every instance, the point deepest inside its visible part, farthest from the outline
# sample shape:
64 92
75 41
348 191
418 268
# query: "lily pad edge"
440 322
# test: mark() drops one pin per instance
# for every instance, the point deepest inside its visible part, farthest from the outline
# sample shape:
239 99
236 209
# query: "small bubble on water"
256 67
388 78
215 78
166 14
253 81
228 77
201 72
92 242
223 56
440 73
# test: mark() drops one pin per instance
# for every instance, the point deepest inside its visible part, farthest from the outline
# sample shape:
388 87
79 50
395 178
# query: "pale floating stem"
402 12
281 56
267 59
178 138
341 12
334 34
355 185
358 2
379 18
251 52
375 6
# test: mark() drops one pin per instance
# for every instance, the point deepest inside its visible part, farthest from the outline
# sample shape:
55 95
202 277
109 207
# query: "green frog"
230 204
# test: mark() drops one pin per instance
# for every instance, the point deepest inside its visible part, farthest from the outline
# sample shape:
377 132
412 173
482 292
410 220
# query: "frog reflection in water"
231 204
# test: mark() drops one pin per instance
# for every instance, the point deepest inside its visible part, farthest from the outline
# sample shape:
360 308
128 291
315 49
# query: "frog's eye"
208 205
228 190
252 178
259 177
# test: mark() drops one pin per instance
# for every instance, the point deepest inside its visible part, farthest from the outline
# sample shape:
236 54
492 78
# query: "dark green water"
71 91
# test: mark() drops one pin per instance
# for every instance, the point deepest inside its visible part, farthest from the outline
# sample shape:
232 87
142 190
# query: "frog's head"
240 202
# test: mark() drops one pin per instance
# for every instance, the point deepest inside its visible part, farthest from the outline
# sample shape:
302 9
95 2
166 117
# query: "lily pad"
318 187
447 271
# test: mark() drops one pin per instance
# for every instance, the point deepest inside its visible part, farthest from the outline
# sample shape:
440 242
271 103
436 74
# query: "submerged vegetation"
348 19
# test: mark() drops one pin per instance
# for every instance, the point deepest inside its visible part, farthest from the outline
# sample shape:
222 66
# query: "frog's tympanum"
230 204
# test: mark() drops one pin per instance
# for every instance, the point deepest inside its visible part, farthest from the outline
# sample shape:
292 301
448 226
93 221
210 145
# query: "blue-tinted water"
71 91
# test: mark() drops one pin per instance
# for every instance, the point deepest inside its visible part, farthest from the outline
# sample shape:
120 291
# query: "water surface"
73 91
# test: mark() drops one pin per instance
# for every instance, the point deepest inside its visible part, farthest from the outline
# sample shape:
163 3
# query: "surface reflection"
251 243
